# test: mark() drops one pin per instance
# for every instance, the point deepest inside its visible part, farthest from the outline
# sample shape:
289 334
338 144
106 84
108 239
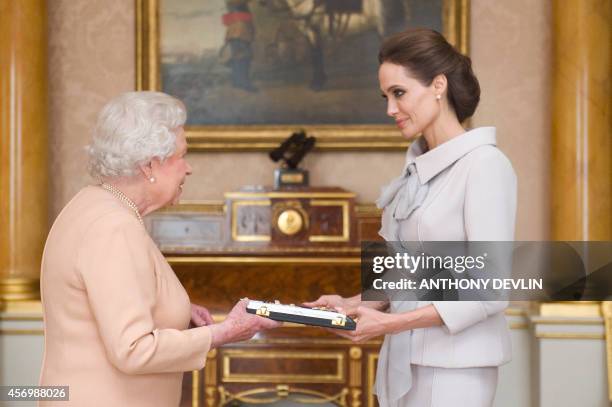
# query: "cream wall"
91 59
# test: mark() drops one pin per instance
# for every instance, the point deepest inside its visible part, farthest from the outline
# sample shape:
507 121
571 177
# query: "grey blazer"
472 196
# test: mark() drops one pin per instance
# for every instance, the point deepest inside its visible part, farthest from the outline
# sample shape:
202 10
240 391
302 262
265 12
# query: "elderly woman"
116 316
456 185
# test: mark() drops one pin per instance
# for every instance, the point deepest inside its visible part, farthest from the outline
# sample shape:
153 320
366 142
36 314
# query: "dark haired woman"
456 185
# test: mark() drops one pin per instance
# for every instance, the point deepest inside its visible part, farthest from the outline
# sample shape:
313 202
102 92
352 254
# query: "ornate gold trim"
212 207
284 207
367 209
286 341
305 341
147 45
22 332
268 250
371 369
195 388
355 354
571 309
263 260
267 137
516 311
606 310
287 194
230 377
569 335
218 206
282 391
346 223
21 318
568 321
23 307
21 311
15 289
356 397
247 238
210 376
455 20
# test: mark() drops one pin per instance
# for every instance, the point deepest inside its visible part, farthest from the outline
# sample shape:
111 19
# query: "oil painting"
263 68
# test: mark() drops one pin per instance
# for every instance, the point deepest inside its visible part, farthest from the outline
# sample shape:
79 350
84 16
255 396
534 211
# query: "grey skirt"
444 387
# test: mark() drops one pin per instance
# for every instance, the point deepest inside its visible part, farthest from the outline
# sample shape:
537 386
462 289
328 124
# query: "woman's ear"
146 169
439 84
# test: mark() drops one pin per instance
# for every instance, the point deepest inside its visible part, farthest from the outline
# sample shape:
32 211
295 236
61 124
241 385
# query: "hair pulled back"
425 53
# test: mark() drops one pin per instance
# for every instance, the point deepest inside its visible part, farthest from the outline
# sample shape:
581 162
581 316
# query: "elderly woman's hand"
200 316
239 325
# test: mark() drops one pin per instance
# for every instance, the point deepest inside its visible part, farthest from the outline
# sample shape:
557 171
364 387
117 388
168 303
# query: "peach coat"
115 314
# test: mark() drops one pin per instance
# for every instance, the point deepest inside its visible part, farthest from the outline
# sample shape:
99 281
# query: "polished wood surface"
23 146
581 139
219 286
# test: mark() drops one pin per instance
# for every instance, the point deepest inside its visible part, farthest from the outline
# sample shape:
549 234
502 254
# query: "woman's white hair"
132 129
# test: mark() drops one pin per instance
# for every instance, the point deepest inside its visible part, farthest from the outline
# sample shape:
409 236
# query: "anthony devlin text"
460 284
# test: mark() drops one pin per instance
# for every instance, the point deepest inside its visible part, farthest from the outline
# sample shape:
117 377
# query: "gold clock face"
290 222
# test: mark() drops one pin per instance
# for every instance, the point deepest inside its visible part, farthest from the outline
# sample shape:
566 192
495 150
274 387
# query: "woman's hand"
335 302
239 325
370 324
200 316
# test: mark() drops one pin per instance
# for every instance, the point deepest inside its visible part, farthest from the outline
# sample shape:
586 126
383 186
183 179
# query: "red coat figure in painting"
237 51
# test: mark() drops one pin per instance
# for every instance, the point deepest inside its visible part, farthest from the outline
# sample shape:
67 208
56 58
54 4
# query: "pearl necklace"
123 198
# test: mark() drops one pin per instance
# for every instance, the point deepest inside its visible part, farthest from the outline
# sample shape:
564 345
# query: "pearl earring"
152 180
438 97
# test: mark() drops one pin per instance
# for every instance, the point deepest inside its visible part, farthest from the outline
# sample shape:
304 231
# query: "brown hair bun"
425 53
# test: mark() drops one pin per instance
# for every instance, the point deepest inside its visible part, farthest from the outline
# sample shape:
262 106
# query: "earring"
152 180
438 97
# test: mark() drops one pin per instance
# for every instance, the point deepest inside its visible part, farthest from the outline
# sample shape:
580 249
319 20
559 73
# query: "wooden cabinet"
321 257
293 360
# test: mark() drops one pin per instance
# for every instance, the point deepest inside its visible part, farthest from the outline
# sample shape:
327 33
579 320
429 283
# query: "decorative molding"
570 309
371 378
606 309
262 260
569 335
282 392
195 388
22 332
229 376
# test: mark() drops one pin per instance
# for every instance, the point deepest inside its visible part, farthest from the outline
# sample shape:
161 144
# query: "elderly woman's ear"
147 170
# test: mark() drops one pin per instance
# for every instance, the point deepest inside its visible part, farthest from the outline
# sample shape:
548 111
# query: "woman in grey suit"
456 185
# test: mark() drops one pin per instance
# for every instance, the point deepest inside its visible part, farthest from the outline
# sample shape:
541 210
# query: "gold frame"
455 19
247 238
345 236
229 377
